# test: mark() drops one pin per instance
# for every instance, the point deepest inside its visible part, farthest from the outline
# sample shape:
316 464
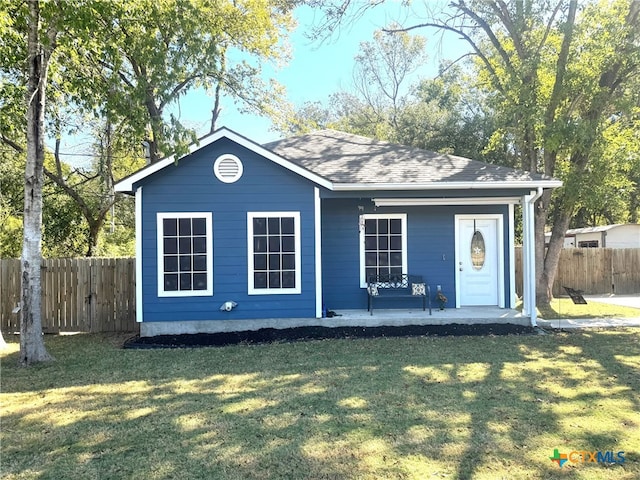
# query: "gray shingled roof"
344 158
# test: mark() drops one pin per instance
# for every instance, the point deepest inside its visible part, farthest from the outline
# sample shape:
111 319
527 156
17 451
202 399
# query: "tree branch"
467 38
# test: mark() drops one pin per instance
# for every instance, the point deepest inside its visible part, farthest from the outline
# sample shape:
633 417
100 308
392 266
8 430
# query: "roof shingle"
352 159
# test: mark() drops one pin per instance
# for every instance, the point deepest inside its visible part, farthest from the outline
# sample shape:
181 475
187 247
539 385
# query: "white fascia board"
407 202
126 184
479 185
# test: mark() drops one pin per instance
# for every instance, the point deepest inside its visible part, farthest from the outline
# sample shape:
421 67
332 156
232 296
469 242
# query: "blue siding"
192 187
430 248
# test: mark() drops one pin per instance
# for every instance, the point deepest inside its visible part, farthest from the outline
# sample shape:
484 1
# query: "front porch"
346 318
402 317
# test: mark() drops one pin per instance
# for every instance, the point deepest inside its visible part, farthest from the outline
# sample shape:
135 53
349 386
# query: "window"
274 252
383 245
185 257
588 244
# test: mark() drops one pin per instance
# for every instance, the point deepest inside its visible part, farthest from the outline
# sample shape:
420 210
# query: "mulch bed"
271 335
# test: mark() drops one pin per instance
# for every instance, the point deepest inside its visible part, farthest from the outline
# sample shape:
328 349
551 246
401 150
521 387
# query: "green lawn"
565 308
410 408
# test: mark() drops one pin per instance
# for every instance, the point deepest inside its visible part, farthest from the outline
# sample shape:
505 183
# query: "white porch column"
529 256
139 305
318 250
526 265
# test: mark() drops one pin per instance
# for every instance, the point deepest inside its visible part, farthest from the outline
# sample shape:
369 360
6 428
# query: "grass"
410 408
565 308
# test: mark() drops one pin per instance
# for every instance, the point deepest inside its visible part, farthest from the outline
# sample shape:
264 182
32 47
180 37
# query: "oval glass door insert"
478 250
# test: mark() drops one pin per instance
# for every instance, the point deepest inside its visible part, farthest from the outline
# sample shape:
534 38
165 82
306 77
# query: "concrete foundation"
345 318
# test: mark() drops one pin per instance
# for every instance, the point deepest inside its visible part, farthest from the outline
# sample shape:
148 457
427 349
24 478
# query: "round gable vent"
228 168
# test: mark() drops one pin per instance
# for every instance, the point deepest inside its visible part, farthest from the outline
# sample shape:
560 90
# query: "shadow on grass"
385 408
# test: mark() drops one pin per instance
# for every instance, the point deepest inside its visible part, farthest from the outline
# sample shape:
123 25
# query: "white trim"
499 245
365 216
525 258
298 264
160 242
408 202
126 184
529 255
220 176
138 208
317 212
512 257
444 185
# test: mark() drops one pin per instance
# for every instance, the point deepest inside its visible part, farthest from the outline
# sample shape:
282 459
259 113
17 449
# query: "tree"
380 91
145 54
32 348
444 114
559 72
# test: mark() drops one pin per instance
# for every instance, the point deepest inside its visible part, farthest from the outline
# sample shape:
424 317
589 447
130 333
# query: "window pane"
288 262
199 281
184 226
383 243
396 243
170 245
171 263
185 245
395 270
383 258
185 263
288 279
370 227
185 281
274 262
200 263
396 226
370 243
200 245
478 250
170 227
288 225
199 226
383 225
171 282
370 272
274 244
260 262
288 244
371 259
260 280
396 258
259 226
274 225
274 279
259 244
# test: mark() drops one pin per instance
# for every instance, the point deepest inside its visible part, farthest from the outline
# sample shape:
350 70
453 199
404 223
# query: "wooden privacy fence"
78 295
593 270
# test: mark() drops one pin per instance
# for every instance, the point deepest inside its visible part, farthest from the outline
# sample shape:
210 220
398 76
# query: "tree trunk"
32 348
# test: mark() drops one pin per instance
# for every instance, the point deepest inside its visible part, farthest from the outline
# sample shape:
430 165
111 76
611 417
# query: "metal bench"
397 286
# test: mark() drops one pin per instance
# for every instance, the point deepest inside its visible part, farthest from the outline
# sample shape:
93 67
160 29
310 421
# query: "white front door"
479 264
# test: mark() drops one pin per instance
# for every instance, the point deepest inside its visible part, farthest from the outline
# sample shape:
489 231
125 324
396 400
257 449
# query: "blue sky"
317 70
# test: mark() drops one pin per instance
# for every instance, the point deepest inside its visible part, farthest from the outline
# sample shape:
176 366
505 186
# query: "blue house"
236 235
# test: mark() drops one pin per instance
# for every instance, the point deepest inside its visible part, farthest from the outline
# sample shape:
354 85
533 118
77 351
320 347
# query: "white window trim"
160 216
273 291
366 216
